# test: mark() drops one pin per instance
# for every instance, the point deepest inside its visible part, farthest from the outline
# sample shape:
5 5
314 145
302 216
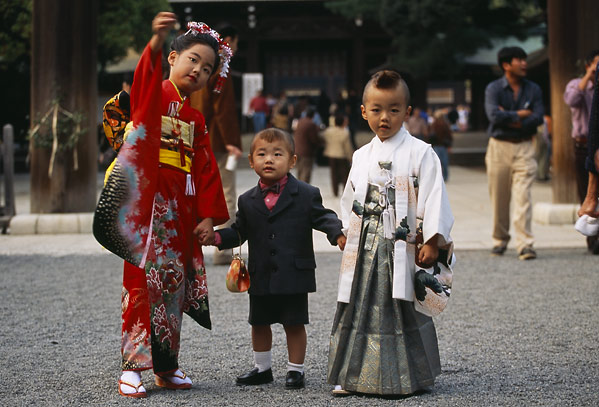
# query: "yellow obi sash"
174 130
173 158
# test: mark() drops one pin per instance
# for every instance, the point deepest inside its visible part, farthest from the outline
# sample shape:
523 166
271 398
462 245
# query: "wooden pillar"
63 64
573 32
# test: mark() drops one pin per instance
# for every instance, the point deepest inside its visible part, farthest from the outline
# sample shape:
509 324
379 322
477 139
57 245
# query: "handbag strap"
239 237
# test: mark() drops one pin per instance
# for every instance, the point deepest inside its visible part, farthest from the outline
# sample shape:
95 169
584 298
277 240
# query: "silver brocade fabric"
380 345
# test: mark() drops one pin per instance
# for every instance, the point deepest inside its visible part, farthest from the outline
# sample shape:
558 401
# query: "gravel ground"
515 333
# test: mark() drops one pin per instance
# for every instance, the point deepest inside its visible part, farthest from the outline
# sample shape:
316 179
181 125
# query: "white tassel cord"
190 189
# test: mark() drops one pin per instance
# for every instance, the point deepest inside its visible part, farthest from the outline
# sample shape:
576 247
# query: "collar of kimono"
178 94
397 150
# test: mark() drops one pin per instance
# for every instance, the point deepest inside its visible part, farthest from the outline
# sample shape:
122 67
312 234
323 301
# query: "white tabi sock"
132 377
263 360
294 367
178 378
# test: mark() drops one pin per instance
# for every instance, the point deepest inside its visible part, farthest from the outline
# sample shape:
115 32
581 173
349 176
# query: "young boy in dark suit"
276 217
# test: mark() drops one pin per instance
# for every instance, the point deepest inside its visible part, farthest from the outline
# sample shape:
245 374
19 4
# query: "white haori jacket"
420 196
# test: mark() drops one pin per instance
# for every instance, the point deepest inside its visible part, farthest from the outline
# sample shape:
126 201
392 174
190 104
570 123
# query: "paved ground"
514 334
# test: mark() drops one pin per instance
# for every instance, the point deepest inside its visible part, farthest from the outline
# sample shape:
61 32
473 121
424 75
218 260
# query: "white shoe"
587 226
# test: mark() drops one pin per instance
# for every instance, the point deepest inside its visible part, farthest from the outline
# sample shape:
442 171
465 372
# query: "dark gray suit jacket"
281 253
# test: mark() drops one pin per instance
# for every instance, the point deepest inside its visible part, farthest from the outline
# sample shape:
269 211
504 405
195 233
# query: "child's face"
271 160
385 110
191 68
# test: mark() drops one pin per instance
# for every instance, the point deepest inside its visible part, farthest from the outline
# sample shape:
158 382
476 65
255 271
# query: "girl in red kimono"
174 199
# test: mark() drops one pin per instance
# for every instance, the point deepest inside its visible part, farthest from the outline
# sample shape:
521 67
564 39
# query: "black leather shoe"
294 380
254 377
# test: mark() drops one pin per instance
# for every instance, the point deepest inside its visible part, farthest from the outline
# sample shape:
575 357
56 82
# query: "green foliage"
432 36
123 24
15 33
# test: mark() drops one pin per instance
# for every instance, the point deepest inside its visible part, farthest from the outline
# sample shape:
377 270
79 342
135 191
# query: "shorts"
286 309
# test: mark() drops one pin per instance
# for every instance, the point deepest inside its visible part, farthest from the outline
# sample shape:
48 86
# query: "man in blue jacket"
514 108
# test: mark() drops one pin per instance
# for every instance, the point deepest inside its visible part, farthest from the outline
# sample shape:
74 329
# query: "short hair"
387 79
310 112
273 134
506 54
339 119
590 56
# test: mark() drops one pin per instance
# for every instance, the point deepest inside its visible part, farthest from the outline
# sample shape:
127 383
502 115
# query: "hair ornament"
224 50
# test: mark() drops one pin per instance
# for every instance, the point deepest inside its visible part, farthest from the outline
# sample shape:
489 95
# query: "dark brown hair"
387 79
273 134
183 42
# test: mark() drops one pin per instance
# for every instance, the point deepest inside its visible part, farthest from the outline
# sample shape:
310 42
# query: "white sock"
177 377
294 367
132 377
263 360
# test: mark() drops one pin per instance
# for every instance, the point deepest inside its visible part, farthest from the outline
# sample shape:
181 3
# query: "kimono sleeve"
210 198
347 198
125 207
433 202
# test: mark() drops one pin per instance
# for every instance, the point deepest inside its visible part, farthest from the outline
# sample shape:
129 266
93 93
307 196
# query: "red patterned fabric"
171 279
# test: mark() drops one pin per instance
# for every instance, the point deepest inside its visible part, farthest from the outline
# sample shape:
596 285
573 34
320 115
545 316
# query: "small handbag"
238 278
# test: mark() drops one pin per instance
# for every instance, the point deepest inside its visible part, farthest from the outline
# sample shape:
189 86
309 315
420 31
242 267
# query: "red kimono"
166 199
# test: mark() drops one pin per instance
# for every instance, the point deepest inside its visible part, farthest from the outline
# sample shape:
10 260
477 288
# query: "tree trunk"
573 33
63 65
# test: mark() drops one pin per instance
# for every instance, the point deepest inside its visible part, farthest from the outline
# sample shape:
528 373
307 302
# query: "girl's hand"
205 232
341 240
161 25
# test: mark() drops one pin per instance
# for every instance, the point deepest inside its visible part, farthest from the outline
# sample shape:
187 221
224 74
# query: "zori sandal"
175 381
137 394
338 391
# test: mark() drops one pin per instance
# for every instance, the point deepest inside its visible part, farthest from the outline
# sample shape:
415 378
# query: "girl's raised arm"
161 25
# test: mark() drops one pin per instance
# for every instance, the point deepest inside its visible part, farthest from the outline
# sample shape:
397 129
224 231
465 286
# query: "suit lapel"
286 197
258 201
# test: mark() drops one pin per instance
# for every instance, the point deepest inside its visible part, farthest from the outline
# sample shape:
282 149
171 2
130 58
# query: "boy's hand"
161 25
428 253
205 232
341 240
